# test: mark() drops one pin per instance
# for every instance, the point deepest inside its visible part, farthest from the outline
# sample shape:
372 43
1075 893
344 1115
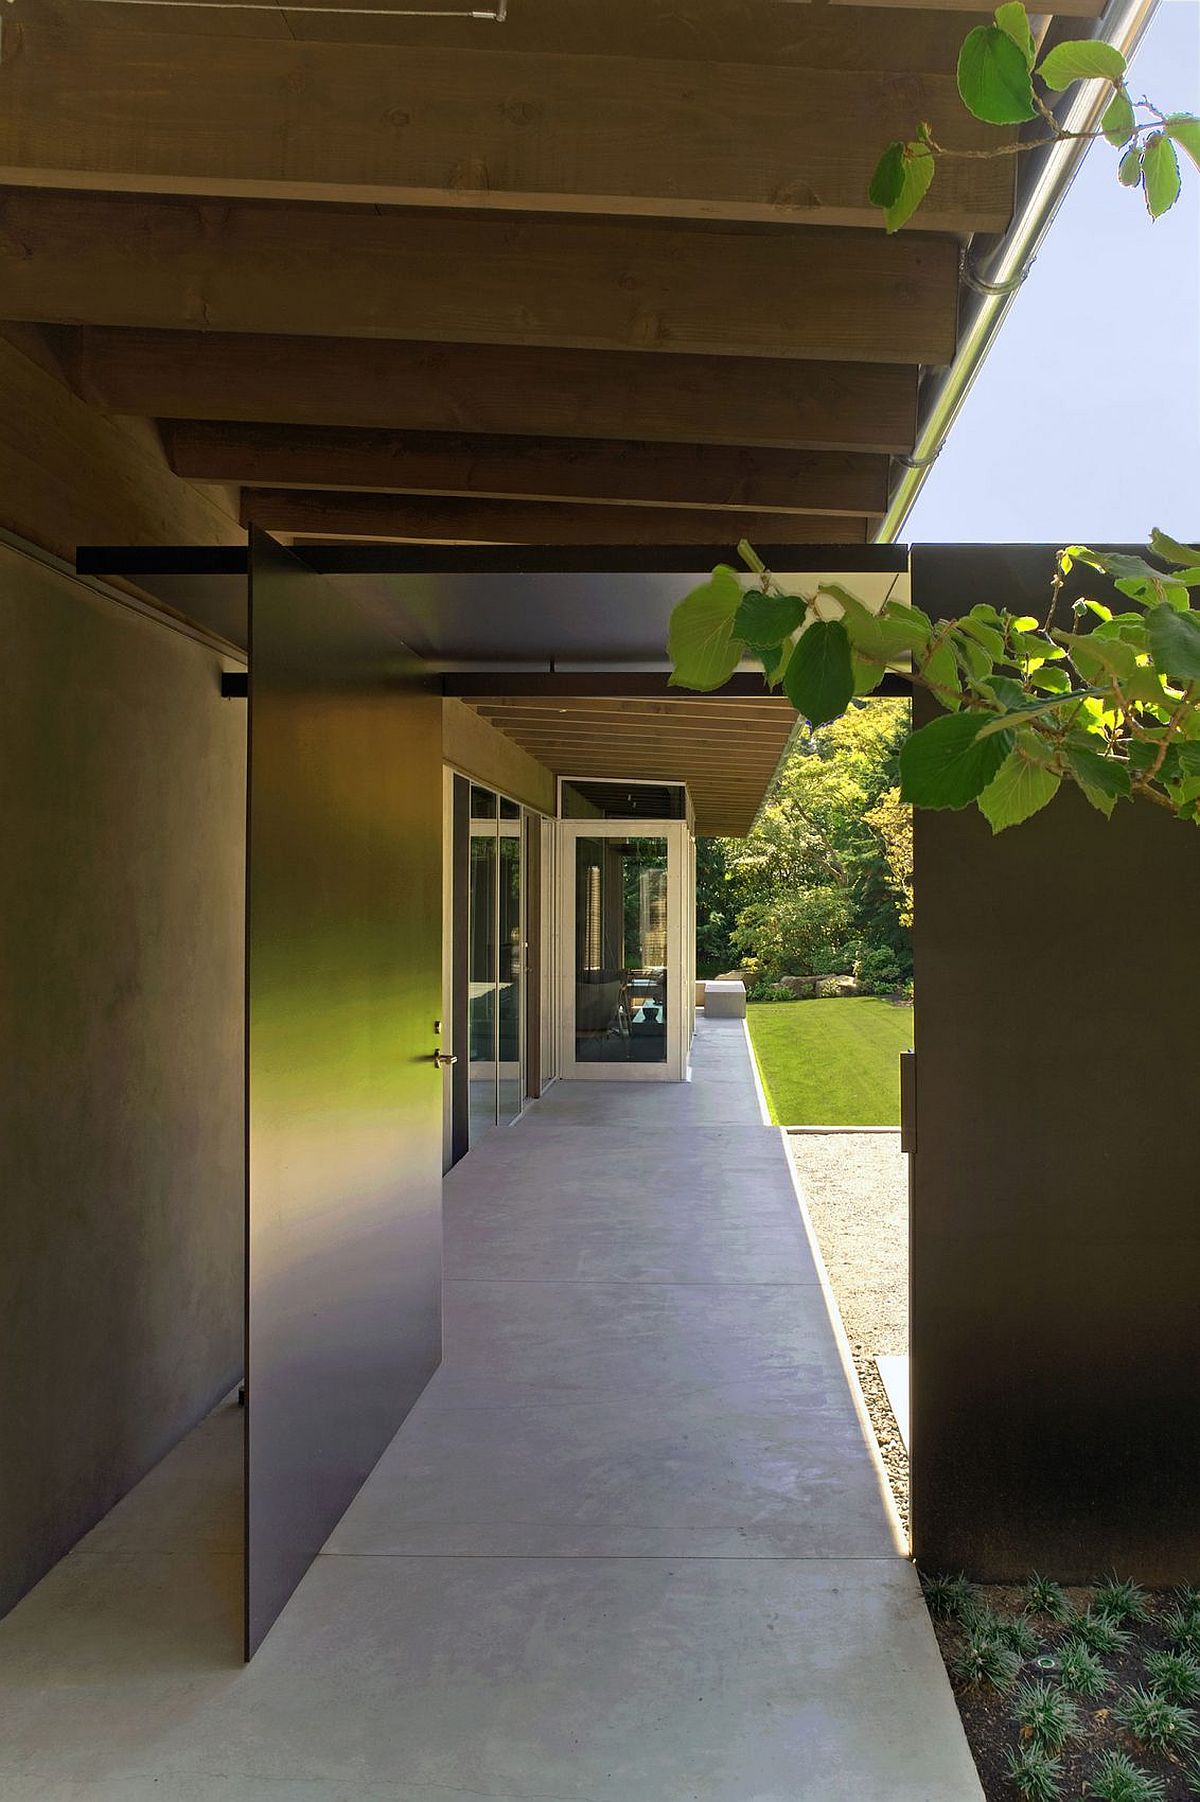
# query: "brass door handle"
441 1058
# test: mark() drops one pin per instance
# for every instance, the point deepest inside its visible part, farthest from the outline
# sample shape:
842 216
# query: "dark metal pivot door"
344 1102
1056 1177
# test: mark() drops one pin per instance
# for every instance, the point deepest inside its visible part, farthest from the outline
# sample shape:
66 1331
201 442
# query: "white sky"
1084 423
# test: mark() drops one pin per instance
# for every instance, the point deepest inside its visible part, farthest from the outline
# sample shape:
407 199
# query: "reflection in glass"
482 962
510 946
621 950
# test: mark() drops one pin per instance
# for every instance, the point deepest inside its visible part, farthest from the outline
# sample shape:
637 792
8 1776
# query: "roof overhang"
562 650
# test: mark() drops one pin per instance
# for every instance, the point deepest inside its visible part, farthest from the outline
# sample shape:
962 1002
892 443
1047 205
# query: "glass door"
483 961
510 942
622 997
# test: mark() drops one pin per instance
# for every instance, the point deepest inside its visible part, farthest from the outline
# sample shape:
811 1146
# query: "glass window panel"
621 995
483 965
512 965
623 801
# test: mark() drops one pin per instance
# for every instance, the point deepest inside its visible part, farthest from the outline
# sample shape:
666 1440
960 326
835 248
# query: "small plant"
1121 1601
1080 1670
1033 1773
1181 1629
1156 1723
1175 1675
1045 1716
983 1658
1188 1598
1117 1779
1018 1635
1044 1596
1101 1632
950 1598
1191 1776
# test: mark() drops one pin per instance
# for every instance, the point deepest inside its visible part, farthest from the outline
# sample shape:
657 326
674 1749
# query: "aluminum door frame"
674 1066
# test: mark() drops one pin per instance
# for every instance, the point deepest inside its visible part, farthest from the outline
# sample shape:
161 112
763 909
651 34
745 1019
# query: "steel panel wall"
1056 1213
344 1101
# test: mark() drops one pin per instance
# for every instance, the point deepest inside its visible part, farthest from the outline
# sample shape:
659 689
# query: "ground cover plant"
1073 1694
831 1063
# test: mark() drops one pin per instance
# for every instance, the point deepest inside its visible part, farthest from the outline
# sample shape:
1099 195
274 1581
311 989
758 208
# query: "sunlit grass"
831 1063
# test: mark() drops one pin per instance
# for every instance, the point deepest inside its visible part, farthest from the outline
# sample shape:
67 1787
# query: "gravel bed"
856 1186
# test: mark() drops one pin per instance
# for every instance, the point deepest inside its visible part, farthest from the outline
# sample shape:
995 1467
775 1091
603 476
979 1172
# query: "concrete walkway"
631 1546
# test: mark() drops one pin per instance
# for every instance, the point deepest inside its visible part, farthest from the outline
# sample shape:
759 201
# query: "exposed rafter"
615 472
123 260
489 388
602 134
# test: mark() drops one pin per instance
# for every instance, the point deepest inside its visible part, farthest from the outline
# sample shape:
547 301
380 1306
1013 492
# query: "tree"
812 883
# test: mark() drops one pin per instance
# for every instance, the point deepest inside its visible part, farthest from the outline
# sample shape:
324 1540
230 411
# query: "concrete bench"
725 1000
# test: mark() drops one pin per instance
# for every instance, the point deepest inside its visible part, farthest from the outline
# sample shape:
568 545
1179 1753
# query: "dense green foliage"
1002 82
819 884
1029 704
831 1063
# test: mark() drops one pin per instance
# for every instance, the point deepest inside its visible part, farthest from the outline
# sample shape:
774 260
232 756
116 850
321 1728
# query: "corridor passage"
631 1546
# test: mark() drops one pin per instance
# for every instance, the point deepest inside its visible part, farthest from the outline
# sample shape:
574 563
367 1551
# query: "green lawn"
831 1063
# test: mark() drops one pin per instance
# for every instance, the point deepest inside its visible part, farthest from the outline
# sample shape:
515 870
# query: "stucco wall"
122 774
473 745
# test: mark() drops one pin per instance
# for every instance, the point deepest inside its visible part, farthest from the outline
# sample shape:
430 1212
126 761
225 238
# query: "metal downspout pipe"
993 278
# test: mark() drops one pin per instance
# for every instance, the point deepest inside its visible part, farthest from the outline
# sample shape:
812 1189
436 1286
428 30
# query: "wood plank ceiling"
603 273
725 750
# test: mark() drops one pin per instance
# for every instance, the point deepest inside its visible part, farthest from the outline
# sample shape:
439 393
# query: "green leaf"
1081 59
888 179
1129 169
1095 658
1184 129
764 620
1118 123
1160 174
973 658
1022 786
993 77
819 678
986 636
1013 20
940 671
1051 679
883 640
1180 556
1174 640
916 176
1103 780
700 640
867 673
919 624
942 765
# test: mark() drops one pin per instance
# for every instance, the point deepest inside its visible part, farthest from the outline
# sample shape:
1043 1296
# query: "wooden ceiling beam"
478 279
922 39
641 395
758 747
325 511
536 469
766 727
229 117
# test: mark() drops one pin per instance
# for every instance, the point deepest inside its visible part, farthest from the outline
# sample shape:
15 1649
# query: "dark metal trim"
400 559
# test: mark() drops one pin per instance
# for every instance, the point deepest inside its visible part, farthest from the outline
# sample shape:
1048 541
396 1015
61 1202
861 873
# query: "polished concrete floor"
631 1546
